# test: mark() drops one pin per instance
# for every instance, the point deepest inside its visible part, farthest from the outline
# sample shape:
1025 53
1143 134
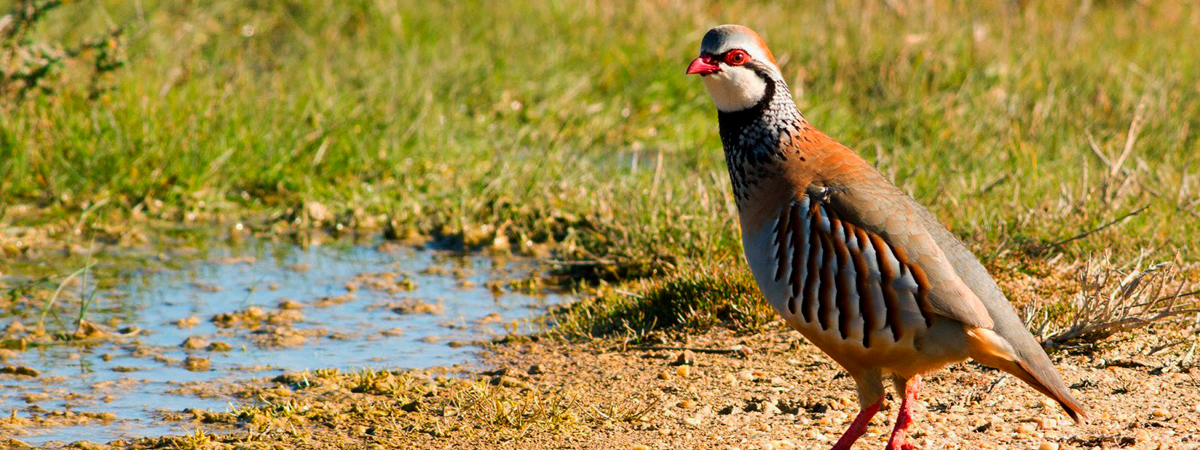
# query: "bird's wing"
957 285
893 224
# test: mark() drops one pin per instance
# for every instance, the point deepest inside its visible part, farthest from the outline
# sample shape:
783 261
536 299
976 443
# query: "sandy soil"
781 392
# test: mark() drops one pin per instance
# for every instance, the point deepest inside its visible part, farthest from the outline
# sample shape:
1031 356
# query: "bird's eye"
736 57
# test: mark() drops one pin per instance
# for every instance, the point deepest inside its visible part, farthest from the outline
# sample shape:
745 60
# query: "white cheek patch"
735 88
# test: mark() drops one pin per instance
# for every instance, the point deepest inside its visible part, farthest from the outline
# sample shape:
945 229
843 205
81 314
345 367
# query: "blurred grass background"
569 125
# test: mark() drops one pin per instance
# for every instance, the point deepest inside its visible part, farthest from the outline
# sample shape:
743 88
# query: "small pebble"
685 358
197 364
219 347
770 408
1048 446
508 381
20 370
194 343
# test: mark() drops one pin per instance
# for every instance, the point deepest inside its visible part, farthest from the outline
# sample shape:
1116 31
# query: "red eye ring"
737 57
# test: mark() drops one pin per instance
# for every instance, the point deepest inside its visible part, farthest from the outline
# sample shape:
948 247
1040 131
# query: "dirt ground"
768 390
781 392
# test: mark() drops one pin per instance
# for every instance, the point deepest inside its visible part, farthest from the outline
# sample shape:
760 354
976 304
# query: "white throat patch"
735 88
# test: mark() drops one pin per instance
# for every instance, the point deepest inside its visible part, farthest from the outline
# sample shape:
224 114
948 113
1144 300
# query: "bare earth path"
783 393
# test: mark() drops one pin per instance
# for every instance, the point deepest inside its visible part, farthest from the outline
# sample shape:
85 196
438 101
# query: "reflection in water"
275 309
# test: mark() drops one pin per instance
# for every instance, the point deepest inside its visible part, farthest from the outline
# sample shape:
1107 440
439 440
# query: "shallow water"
137 378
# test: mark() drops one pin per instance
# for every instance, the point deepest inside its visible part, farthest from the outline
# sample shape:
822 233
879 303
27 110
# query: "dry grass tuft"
514 412
1113 298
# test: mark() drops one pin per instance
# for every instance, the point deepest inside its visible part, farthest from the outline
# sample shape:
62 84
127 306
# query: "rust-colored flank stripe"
797 254
922 294
837 229
828 260
781 240
866 307
891 306
814 266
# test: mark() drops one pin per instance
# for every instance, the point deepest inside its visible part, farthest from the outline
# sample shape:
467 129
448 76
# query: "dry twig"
1044 247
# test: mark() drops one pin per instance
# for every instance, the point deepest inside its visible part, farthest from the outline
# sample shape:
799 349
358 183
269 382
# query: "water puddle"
255 313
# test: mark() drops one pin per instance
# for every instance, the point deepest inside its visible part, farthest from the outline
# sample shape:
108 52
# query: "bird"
847 259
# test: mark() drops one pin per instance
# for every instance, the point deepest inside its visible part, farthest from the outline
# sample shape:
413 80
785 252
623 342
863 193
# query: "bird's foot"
858 427
899 438
904 417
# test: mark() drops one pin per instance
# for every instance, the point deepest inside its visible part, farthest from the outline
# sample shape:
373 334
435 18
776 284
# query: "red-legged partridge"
846 258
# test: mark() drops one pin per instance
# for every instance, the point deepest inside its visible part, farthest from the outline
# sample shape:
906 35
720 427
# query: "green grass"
693 299
570 125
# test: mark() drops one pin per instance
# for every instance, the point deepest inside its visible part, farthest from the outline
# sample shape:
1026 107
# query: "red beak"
703 66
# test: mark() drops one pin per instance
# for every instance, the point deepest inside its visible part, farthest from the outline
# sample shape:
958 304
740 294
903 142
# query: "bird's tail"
1034 368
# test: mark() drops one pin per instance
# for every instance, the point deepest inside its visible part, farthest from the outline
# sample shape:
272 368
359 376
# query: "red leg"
858 427
904 418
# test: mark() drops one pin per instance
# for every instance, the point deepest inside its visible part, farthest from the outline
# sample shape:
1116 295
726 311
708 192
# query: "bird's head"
736 67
